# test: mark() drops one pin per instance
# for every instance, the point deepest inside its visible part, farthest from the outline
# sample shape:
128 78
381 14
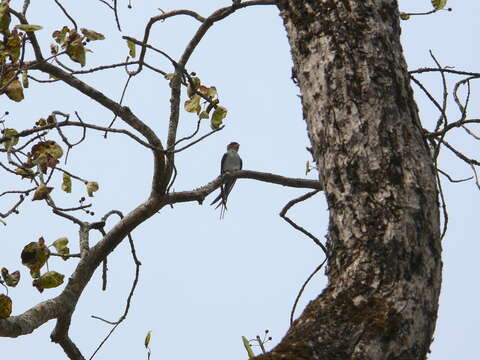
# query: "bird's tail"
219 197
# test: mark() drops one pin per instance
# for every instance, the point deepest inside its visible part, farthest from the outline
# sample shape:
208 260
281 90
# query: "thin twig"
120 102
132 290
66 14
115 11
452 179
287 207
199 139
443 206
317 269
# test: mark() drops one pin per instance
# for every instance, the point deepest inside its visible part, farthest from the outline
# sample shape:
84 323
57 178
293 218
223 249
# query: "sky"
206 282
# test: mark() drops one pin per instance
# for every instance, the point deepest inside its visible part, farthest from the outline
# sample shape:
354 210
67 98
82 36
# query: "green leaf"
60 35
212 92
131 46
10 279
14 91
76 51
439 4
28 27
35 255
25 173
61 246
67 183
204 115
92 186
13 45
60 243
4 18
308 167
25 79
217 118
148 338
404 16
247 346
92 35
193 86
5 306
193 104
51 279
41 193
13 140
45 153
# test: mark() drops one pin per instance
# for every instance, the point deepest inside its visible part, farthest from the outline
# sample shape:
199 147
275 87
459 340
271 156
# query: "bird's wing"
222 163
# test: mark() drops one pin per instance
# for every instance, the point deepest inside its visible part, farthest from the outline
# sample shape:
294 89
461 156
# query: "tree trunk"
384 265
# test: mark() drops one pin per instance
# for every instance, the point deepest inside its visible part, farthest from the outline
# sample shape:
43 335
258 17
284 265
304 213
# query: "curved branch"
123 112
64 304
66 14
30 34
218 15
60 336
78 124
33 318
283 214
200 193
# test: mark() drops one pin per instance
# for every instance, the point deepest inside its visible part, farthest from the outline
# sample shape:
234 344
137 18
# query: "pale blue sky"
204 283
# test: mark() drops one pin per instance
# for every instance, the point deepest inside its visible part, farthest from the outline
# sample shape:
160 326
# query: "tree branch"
200 193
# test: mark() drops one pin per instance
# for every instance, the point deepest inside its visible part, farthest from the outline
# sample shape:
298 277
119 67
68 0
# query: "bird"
231 161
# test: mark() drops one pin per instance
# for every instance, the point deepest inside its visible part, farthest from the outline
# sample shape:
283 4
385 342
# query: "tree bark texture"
384 266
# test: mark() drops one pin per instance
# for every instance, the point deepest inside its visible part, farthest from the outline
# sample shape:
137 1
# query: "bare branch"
287 207
120 102
26 4
122 111
66 14
198 140
445 70
67 216
104 67
452 179
60 336
135 41
295 303
30 34
451 126
443 204
13 209
78 124
199 194
115 11
132 290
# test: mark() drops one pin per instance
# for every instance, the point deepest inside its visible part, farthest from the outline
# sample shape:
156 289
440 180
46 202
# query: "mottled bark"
385 264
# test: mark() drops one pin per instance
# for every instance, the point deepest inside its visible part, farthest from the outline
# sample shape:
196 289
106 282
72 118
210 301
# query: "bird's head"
233 146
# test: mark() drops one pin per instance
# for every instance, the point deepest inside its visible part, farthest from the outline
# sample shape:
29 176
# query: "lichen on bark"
384 269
